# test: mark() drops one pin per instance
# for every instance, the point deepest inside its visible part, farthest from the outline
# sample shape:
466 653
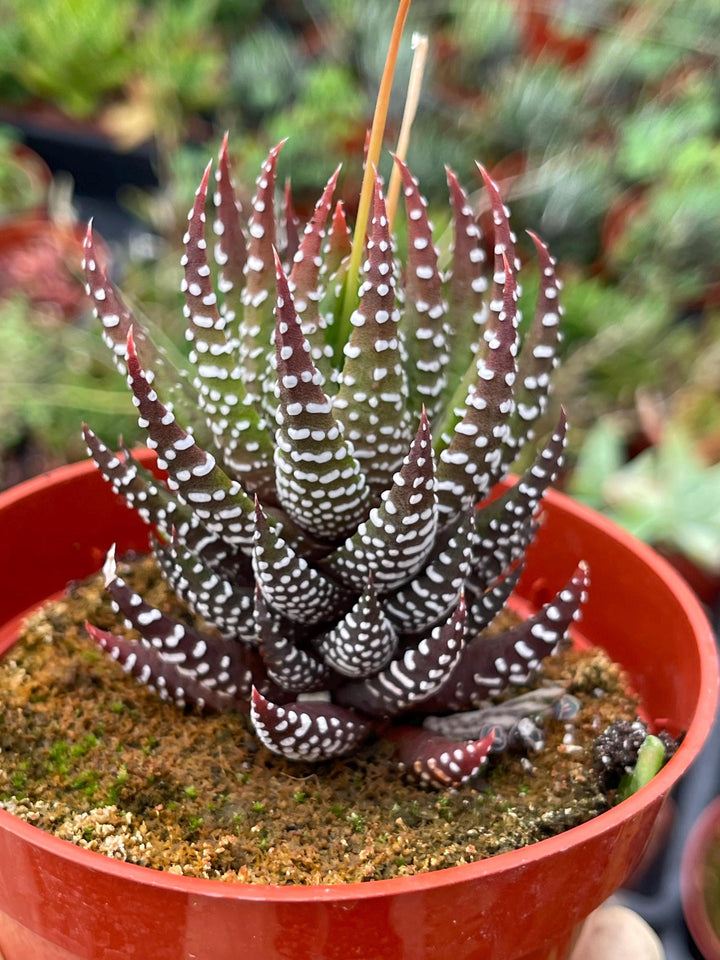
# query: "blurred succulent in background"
667 495
674 227
266 69
138 70
24 178
176 72
330 116
51 372
90 62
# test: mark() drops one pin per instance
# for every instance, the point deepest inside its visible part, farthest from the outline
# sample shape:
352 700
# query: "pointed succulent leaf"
142 493
485 603
505 263
432 593
221 665
212 596
168 680
306 286
363 642
288 583
398 536
436 760
288 665
490 664
413 677
238 429
503 241
117 320
339 242
457 405
425 318
506 526
473 461
538 355
257 322
291 224
110 309
307 731
230 249
467 285
154 503
371 402
336 259
220 503
466 294
319 482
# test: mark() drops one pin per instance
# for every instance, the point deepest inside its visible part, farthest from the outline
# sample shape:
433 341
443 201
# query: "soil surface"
88 754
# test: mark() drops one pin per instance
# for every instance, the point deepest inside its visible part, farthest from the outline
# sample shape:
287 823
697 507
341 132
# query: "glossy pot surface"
59 902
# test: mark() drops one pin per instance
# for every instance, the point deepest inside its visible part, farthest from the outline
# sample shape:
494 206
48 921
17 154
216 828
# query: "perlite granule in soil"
93 757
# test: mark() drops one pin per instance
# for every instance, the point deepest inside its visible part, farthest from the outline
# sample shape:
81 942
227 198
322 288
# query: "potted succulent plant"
336 560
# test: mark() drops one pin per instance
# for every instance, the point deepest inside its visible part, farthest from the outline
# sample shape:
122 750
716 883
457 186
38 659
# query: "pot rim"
653 792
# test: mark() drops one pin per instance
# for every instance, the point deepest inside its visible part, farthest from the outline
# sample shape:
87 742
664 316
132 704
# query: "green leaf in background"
666 495
266 68
650 138
50 382
73 51
601 456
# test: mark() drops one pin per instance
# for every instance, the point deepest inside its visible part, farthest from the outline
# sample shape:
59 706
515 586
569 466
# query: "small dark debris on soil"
92 757
616 750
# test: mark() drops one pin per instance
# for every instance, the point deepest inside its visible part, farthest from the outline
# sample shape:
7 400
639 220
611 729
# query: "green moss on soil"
93 757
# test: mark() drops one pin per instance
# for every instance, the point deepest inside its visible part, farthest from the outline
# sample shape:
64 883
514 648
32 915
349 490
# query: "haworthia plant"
342 538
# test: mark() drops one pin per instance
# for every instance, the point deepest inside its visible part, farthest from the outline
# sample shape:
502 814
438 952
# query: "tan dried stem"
373 155
420 46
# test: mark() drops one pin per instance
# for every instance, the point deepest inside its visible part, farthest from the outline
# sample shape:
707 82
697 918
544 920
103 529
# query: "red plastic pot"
704 838
59 902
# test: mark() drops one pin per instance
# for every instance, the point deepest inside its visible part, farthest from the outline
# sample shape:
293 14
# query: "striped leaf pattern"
329 508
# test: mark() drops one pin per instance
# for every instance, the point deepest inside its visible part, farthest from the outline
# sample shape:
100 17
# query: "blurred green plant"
176 71
673 239
486 33
326 118
651 136
265 68
163 209
52 374
566 198
534 107
667 495
151 65
22 180
71 52
233 17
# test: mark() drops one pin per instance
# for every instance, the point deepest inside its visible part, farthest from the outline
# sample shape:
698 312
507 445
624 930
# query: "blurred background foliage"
601 118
